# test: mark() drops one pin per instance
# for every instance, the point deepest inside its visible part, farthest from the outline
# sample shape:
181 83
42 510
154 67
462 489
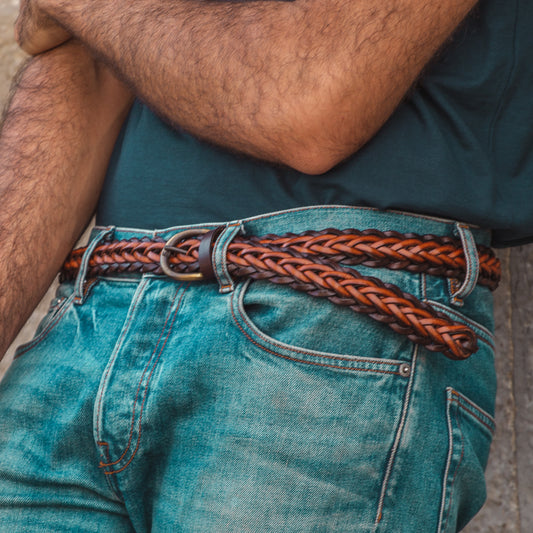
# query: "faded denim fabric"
146 404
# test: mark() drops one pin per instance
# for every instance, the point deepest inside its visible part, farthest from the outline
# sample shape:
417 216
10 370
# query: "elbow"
316 158
311 161
320 139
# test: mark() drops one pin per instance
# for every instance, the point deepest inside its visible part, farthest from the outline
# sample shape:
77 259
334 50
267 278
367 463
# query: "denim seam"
355 369
423 286
159 233
147 387
80 284
88 286
398 437
113 483
461 400
449 402
447 465
163 329
456 468
474 415
224 287
462 318
111 362
123 278
456 399
458 294
303 352
60 313
450 224
483 330
101 390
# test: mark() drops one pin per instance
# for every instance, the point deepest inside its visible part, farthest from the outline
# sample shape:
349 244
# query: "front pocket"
470 435
295 326
55 313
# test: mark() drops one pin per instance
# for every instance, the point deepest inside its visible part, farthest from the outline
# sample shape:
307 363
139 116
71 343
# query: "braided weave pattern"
429 254
309 262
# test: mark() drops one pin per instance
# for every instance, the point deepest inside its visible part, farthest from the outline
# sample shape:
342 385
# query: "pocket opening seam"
483 333
475 411
309 353
59 313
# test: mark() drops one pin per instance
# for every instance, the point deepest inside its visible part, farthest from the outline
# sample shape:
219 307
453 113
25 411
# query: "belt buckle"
169 247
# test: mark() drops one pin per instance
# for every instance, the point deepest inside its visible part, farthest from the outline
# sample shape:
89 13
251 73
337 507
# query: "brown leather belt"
317 262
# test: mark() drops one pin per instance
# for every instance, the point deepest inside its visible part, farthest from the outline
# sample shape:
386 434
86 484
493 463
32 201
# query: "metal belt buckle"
169 247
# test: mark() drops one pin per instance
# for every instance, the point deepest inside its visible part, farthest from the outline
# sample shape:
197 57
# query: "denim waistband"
318 218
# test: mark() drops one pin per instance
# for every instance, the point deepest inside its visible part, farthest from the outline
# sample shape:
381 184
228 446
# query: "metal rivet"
405 370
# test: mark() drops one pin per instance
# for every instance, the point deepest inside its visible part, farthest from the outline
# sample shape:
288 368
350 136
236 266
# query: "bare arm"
55 142
305 83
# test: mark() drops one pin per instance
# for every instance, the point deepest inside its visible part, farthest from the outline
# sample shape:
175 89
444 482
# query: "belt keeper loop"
219 253
472 266
205 249
80 286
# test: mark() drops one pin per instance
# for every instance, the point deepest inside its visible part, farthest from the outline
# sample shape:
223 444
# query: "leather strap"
205 262
315 262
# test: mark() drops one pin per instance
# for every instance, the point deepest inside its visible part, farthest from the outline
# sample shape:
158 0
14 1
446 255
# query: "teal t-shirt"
459 146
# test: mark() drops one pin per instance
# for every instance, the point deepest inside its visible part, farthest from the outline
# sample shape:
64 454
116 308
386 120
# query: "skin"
56 140
303 83
36 31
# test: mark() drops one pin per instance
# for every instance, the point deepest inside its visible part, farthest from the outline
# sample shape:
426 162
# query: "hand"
35 31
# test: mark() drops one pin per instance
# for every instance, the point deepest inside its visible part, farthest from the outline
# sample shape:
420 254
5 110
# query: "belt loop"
220 249
80 286
458 293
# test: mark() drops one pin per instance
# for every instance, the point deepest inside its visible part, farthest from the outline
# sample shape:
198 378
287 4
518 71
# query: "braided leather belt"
317 262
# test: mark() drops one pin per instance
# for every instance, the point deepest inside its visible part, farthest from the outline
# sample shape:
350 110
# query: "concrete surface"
509 506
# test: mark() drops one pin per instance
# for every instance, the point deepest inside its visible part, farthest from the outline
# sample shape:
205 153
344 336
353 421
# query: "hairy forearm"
304 83
56 139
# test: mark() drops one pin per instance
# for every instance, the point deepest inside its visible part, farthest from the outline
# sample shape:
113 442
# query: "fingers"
40 40
36 32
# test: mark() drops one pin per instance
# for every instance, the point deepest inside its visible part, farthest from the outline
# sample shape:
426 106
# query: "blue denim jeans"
147 404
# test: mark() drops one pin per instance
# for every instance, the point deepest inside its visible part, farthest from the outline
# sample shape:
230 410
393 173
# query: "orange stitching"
460 396
113 485
135 303
491 429
146 389
311 354
140 384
